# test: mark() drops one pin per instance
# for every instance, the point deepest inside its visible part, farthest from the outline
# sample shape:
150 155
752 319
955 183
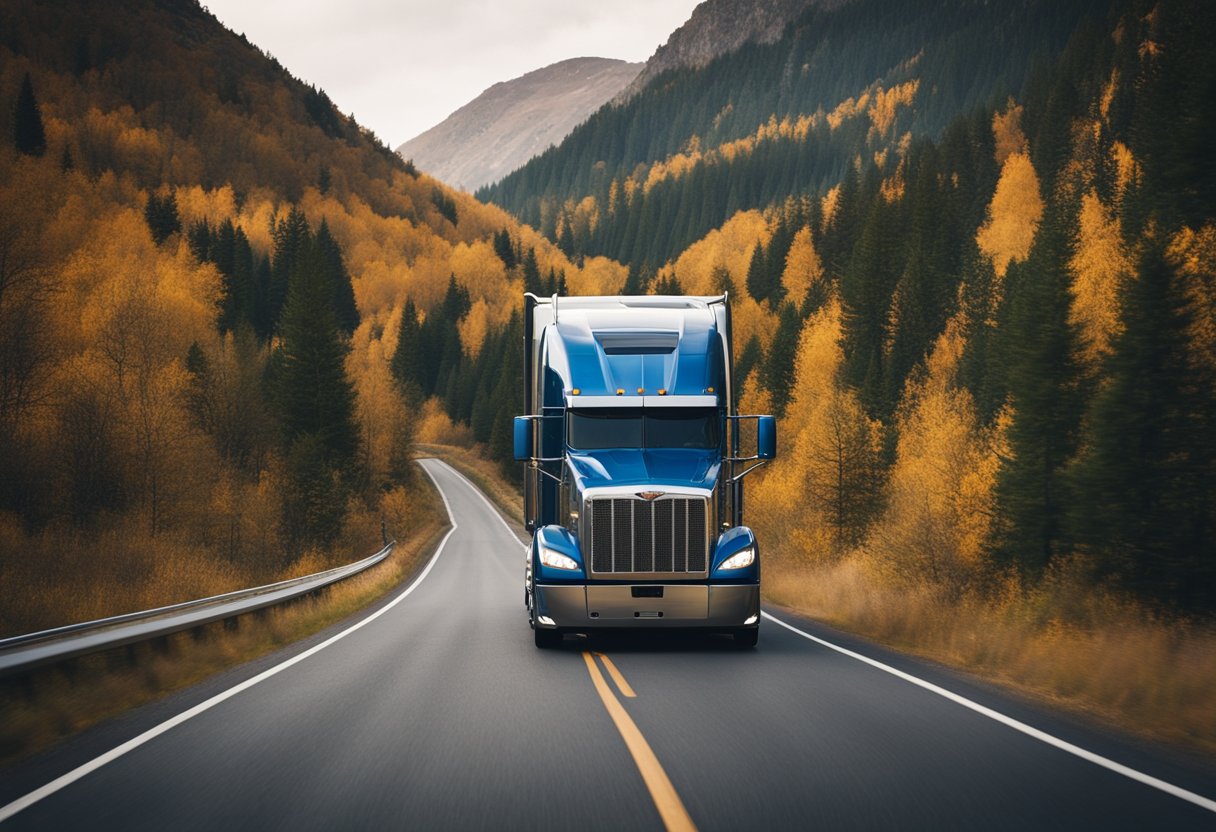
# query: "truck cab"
633 468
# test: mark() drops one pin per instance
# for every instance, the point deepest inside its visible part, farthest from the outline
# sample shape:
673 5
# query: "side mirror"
523 438
766 437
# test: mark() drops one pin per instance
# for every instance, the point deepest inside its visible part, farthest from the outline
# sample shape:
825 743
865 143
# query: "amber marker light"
662 391
709 389
620 391
641 391
575 391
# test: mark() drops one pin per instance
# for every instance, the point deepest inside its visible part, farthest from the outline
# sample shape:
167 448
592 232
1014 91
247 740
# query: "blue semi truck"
634 469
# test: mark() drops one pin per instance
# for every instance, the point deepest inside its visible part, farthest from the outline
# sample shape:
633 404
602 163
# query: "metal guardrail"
25 652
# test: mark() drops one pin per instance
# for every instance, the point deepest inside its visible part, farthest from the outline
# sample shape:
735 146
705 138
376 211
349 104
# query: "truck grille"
639 536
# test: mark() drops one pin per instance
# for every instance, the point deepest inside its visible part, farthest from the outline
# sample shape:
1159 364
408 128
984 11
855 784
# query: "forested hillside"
971 249
203 266
643 181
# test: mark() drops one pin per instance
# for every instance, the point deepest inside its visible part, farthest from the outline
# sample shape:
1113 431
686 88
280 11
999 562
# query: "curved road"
434 710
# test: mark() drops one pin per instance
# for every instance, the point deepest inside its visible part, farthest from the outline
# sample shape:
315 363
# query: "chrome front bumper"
588 606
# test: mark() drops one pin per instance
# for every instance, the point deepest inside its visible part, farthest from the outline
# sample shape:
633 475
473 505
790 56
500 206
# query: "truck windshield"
675 427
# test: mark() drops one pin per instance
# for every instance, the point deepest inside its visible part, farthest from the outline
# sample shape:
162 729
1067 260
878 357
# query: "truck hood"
676 468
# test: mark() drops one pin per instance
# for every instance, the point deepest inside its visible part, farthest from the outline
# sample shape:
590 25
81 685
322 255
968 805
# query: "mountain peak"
717 27
512 121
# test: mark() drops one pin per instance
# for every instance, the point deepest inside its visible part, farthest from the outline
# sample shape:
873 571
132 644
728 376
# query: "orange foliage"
886 102
379 408
830 200
817 490
803 268
1100 265
474 327
1127 169
1013 214
728 247
1007 132
941 492
598 276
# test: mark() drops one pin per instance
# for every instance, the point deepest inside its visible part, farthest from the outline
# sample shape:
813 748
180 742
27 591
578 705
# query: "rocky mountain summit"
718 27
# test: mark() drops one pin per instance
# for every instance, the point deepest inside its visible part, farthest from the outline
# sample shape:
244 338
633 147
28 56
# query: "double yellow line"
671 808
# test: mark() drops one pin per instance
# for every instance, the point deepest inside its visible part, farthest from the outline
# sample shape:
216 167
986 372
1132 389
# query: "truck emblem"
651 495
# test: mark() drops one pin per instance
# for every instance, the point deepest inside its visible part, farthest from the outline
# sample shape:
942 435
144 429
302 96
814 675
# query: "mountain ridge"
511 121
717 27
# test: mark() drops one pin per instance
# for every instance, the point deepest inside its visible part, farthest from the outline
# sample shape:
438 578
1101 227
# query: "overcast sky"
402 67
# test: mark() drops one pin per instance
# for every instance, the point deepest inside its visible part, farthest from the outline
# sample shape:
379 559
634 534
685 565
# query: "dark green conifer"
1143 485
29 135
779 366
1044 387
314 396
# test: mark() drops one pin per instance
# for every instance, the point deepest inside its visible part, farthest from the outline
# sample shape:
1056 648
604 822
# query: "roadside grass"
40 708
1062 642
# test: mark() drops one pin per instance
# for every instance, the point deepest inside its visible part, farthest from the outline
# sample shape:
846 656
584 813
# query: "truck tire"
744 639
547 639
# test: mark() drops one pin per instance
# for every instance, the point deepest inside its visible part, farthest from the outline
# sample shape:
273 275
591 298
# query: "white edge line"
1017 725
77 773
494 509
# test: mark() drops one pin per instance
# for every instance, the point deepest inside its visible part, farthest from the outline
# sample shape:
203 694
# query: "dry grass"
39 709
1062 641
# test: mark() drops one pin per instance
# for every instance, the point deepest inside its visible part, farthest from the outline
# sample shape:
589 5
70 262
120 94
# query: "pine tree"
408 359
1145 485
668 284
198 237
532 281
757 275
1044 389
29 135
292 238
160 213
779 366
330 253
751 357
504 248
633 282
314 396
314 496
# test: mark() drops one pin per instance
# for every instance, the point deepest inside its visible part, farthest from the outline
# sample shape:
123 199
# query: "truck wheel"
547 639
744 638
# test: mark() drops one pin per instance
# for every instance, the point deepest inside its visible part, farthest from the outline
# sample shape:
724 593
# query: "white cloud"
402 67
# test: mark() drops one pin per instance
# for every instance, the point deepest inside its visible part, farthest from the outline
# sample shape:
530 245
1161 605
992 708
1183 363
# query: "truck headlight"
740 559
556 559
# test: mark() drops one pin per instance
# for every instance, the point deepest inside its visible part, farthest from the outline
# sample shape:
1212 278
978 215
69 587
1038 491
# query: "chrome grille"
635 536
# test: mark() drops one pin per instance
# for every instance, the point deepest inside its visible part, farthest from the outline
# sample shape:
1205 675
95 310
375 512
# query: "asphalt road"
434 710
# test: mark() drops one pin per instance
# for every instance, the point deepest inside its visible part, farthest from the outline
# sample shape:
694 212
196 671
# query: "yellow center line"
621 684
671 808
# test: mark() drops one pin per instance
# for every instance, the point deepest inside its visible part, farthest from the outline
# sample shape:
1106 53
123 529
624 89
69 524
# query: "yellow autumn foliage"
1100 265
817 489
1013 214
830 200
803 268
474 327
728 247
885 104
1007 132
941 493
